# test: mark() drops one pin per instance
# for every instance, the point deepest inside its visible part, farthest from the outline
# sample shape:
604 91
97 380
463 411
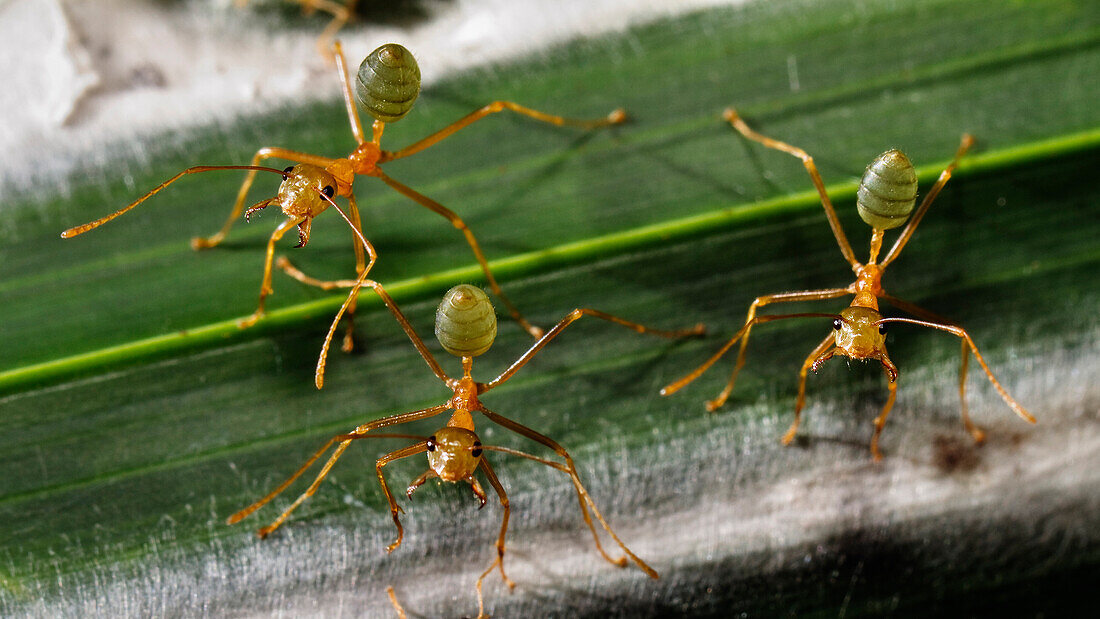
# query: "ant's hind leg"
616 116
735 121
456 221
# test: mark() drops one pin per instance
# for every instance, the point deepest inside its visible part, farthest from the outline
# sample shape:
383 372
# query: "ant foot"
788 437
978 434
245 323
202 242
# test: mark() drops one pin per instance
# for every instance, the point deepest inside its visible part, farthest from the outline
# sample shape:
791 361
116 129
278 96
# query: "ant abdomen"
388 82
466 323
887 191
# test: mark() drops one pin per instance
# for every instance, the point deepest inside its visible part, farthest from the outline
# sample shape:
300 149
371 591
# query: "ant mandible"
466 327
387 85
886 196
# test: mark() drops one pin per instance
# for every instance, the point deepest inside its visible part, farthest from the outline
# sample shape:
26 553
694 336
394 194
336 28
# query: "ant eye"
431 443
287 170
882 328
476 451
328 191
836 324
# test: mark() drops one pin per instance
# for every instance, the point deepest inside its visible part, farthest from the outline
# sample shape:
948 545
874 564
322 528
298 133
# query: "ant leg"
734 119
783 297
499 562
920 312
438 208
286 266
361 264
820 355
361 267
265 285
615 117
319 374
677 385
344 440
345 87
880 421
339 451
396 605
583 497
395 509
975 431
964 145
969 343
572 317
244 513
199 242
340 16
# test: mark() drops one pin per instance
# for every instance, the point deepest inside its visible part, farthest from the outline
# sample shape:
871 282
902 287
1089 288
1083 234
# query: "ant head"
859 334
887 191
388 82
454 453
301 193
465 323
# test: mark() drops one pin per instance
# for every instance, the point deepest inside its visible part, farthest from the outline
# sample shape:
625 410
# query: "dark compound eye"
328 191
287 170
476 451
882 328
836 324
431 443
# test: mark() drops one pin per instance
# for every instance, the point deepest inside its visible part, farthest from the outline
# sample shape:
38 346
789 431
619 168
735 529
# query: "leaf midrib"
537 261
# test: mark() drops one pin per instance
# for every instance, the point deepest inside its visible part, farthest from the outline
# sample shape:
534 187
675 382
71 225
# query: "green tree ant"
886 196
466 327
387 85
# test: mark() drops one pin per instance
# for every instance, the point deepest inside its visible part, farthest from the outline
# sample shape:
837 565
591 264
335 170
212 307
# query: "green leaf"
136 416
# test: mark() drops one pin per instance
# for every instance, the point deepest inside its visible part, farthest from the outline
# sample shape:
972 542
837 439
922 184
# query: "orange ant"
466 328
387 85
886 196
